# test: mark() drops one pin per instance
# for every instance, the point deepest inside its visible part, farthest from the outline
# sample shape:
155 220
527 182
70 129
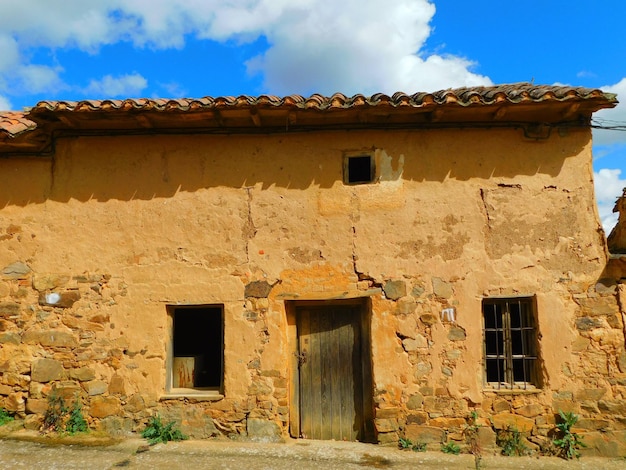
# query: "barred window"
510 343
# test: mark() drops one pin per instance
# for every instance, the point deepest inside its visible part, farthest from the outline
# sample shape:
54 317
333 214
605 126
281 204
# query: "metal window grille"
510 340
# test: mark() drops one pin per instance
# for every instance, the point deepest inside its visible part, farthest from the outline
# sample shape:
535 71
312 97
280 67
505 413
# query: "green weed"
450 448
76 422
156 432
5 417
510 439
470 433
567 442
406 444
59 418
54 418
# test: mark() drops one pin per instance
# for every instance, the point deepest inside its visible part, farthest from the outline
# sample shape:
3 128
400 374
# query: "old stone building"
358 268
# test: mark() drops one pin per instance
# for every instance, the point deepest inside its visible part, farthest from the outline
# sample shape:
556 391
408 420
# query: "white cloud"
608 186
314 45
38 78
331 49
612 116
5 104
124 86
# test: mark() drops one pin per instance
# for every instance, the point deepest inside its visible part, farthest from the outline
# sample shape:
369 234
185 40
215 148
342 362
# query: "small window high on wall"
510 343
359 169
196 359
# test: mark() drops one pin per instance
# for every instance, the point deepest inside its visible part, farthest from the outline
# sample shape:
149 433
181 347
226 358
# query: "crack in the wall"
620 288
483 198
249 230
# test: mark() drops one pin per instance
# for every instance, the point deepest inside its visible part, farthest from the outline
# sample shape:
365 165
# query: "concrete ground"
28 450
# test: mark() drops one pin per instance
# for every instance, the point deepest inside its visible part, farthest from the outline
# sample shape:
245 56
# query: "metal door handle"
302 357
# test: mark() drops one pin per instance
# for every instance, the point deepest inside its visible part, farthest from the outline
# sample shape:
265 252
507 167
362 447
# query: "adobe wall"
122 227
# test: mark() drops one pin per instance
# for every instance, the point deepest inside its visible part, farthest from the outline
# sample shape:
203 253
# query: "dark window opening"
510 343
359 169
198 347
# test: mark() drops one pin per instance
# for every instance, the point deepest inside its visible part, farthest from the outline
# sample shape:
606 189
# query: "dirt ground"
94 453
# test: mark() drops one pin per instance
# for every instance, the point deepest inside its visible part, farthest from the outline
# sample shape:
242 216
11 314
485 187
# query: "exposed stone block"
530 411
19 380
454 354
43 282
565 406
424 434
59 299
486 437
405 305
4 289
448 423
442 288
101 407
410 344
615 407
388 412
83 374
591 424
386 424
423 369
9 309
259 387
419 417
588 323
68 390
100 318
10 338
37 406
394 289
17 270
15 403
95 387
606 286
263 430
53 338
593 394
605 444
407 326
417 291
388 438
46 370
508 420
116 426
258 289
456 333
415 401
428 319
135 404
33 422
598 306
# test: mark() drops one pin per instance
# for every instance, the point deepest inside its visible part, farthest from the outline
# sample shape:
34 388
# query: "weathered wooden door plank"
331 402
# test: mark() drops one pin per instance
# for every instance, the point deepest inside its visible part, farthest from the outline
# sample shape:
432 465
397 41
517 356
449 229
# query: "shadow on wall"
147 167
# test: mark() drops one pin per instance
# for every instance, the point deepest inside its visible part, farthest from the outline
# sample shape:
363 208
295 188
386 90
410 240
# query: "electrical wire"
608 124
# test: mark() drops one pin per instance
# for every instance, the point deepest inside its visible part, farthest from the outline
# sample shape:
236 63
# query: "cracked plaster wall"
136 223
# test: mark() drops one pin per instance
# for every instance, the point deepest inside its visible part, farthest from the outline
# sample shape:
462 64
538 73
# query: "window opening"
359 169
198 347
510 343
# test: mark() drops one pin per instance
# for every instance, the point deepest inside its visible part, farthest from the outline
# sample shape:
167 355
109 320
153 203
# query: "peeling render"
260 225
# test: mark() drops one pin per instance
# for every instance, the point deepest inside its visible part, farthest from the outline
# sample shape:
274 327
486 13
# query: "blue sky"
93 49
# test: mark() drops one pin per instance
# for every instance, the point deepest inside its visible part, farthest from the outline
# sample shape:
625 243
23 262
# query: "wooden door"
331 372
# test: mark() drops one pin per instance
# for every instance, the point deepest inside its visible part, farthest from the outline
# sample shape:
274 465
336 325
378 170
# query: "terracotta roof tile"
14 123
516 93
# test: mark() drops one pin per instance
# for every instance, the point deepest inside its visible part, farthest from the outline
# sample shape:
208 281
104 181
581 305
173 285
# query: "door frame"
365 314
